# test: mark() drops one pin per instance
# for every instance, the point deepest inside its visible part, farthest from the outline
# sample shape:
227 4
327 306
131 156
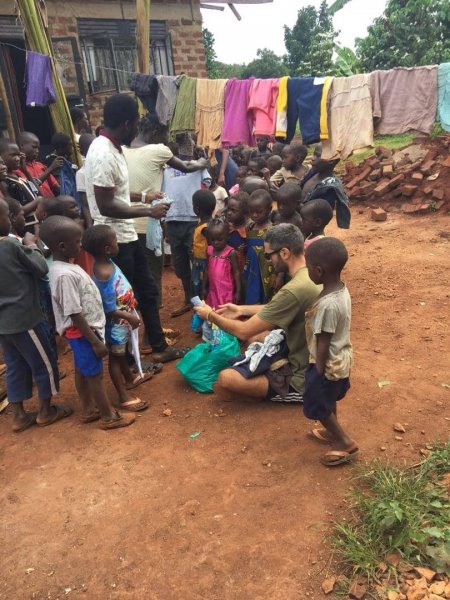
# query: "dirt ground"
242 511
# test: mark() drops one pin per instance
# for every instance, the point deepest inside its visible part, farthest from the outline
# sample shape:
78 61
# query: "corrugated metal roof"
10 28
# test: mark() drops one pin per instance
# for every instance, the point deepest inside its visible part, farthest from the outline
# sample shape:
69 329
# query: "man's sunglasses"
268 255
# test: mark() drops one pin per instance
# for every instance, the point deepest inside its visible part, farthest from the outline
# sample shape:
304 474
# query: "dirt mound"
415 180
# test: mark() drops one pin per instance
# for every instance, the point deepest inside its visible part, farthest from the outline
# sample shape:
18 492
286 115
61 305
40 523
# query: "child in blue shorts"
25 335
80 318
327 325
119 305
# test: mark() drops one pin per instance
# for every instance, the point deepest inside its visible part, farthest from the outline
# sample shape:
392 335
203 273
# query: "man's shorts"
321 394
86 361
30 355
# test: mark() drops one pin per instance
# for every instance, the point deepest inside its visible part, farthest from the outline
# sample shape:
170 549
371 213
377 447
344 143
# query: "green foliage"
210 53
399 510
224 71
346 63
336 6
310 42
409 33
267 65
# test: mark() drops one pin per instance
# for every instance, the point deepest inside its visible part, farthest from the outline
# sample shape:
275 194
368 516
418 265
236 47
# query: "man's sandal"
133 405
138 380
118 421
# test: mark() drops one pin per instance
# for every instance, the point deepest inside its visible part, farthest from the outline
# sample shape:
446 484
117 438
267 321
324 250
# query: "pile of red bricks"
417 186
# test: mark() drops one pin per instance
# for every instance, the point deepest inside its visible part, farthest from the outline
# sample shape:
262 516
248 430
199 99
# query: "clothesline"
336 110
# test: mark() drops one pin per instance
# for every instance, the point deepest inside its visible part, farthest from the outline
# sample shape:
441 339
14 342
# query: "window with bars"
109 52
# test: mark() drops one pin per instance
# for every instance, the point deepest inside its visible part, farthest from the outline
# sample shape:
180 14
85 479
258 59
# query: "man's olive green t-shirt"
287 311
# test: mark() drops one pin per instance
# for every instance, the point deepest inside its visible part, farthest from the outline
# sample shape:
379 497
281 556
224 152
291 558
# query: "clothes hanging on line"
404 99
209 115
281 124
307 103
238 123
39 80
444 95
184 114
349 116
146 89
263 105
168 86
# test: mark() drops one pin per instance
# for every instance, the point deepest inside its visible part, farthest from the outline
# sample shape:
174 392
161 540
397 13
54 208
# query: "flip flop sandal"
339 457
172 354
3 367
95 416
181 311
171 333
171 341
145 351
30 421
316 435
134 405
61 412
138 380
149 366
120 421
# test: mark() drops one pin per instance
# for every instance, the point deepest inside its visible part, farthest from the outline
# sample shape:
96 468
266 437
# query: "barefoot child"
222 280
80 318
24 333
327 327
119 305
204 203
259 275
315 216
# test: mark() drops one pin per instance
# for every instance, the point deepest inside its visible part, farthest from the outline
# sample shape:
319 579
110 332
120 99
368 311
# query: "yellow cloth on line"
281 125
323 108
209 112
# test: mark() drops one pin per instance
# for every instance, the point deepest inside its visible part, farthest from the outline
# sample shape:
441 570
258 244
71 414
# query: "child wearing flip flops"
327 324
119 305
79 317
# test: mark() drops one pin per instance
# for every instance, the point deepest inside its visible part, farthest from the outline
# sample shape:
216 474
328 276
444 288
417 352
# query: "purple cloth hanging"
237 123
38 76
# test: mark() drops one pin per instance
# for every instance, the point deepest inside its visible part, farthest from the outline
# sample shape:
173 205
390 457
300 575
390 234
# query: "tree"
310 42
266 65
409 33
346 63
210 53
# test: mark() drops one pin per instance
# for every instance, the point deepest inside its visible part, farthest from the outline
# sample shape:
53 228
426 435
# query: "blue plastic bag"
201 365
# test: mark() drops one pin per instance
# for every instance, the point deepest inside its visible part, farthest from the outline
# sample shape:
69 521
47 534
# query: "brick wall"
184 24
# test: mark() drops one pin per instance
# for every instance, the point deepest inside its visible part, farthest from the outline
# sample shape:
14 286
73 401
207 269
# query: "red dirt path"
148 513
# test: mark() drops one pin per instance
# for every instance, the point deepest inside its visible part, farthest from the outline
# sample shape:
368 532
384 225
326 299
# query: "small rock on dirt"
378 214
328 585
429 574
391 595
438 587
167 412
357 590
393 559
399 427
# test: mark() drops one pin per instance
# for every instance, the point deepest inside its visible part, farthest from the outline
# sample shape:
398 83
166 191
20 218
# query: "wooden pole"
6 110
143 40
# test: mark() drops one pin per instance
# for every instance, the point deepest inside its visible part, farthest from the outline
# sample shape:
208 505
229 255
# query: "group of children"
228 262
93 305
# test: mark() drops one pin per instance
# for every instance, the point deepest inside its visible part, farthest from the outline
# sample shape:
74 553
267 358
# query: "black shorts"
321 394
181 234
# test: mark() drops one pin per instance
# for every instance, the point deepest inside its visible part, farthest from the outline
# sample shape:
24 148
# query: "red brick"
417 176
378 214
375 175
427 167
388 171
408 190
439 204
396 181
382 187
446 162
397 192
358 178
428 190
438 193
431 154
411 208
373 162
426 207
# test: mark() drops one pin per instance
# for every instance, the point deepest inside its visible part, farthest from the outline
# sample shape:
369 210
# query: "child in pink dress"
222 280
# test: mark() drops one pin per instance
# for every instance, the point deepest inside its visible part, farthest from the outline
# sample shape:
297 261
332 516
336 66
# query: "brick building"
95 46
